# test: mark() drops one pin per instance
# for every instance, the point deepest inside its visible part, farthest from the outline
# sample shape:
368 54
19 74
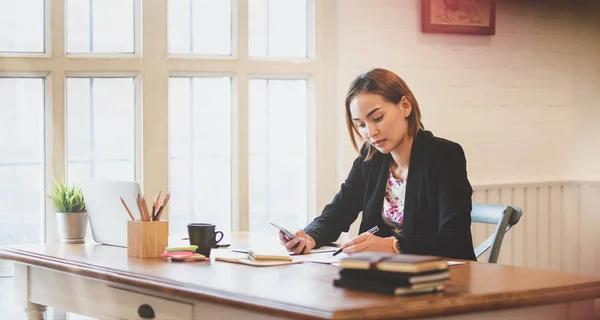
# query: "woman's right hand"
302 244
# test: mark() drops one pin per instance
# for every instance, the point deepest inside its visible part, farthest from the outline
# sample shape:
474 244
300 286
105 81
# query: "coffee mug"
204 236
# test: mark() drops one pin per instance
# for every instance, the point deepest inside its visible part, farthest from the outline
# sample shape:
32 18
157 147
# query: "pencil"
140 207
146 211
126 208
162 206
155 205
372 230
157 198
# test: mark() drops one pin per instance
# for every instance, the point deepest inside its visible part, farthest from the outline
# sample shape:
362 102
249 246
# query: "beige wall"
524 103
586 84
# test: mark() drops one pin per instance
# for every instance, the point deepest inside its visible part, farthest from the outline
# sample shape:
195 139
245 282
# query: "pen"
372 230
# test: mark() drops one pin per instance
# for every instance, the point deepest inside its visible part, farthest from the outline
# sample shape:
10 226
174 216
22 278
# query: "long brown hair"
389 86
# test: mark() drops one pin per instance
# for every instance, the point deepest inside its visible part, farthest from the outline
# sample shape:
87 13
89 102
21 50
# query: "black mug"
204 236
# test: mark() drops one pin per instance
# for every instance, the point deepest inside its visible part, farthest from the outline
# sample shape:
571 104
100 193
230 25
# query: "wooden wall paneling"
543 221
517 233
531 227
505 195
478 230
571 229
556 227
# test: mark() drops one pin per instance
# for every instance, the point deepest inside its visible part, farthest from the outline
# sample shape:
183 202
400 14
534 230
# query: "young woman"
406 181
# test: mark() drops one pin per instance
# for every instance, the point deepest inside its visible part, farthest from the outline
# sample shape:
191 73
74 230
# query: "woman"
409 183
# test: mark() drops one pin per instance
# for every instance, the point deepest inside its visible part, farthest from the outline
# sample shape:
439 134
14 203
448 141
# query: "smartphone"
288 234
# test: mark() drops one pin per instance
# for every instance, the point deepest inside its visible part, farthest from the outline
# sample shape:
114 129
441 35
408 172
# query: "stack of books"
392 274
183 254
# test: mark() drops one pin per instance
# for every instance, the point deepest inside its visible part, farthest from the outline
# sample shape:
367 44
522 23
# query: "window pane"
21 160
100 129
199 152
200 26
102 26
278 159
278 28
26 16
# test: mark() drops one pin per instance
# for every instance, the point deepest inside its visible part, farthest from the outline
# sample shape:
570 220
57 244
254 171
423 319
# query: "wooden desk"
102 282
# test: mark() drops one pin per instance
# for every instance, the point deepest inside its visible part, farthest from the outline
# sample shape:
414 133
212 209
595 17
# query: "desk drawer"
133 305
100 299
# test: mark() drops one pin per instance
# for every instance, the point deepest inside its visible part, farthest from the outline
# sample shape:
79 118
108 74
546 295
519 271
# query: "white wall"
524 103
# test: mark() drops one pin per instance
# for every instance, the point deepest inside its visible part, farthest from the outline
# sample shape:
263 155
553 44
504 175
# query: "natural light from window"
200 152
21 160
200 26
278 153
26 16
278 29
100 26
100 129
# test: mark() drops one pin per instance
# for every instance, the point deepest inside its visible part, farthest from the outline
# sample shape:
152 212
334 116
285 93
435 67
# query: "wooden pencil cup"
147 239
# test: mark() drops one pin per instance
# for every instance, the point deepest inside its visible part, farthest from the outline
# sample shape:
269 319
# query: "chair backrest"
504 217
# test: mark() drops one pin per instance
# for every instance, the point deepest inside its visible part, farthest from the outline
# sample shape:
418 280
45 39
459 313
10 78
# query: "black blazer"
437 206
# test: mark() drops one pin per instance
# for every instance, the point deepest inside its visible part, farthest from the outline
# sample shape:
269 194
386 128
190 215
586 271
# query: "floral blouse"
393 203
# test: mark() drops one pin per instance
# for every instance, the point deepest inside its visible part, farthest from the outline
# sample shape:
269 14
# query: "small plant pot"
72 227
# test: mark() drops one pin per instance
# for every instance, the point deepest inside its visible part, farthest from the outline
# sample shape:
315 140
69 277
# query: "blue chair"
504 217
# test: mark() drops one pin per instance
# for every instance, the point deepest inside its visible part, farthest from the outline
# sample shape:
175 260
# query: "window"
21 160
200 152
278 152
100 26
204 111
100 129
26 16
278 29
200 27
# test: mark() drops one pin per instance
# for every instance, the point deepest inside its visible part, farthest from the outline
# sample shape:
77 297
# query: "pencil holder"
147 239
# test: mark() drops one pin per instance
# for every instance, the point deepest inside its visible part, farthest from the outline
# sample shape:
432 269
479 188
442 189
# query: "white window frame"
152 66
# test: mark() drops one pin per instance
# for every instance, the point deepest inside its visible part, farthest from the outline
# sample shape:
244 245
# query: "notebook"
388 288
190 258
191 248
399 278
267 254
407 263
263 263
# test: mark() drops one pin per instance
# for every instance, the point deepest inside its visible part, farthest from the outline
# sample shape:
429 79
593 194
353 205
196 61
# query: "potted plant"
71 214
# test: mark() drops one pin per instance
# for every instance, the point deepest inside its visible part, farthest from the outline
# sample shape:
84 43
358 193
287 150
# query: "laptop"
106 213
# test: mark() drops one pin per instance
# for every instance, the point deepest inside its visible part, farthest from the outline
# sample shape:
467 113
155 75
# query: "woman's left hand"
369 242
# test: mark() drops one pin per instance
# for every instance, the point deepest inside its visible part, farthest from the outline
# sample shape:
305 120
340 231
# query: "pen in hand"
372 230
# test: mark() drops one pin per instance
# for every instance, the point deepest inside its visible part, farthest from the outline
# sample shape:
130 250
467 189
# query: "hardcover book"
406 263
388 288
398 278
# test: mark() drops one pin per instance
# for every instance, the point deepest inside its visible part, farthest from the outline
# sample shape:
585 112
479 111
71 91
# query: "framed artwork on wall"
459 16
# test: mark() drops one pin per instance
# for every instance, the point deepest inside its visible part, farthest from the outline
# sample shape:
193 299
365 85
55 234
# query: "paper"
315 251
249 262
324 250
319 258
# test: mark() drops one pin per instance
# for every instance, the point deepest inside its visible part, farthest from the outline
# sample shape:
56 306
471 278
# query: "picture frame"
459 16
